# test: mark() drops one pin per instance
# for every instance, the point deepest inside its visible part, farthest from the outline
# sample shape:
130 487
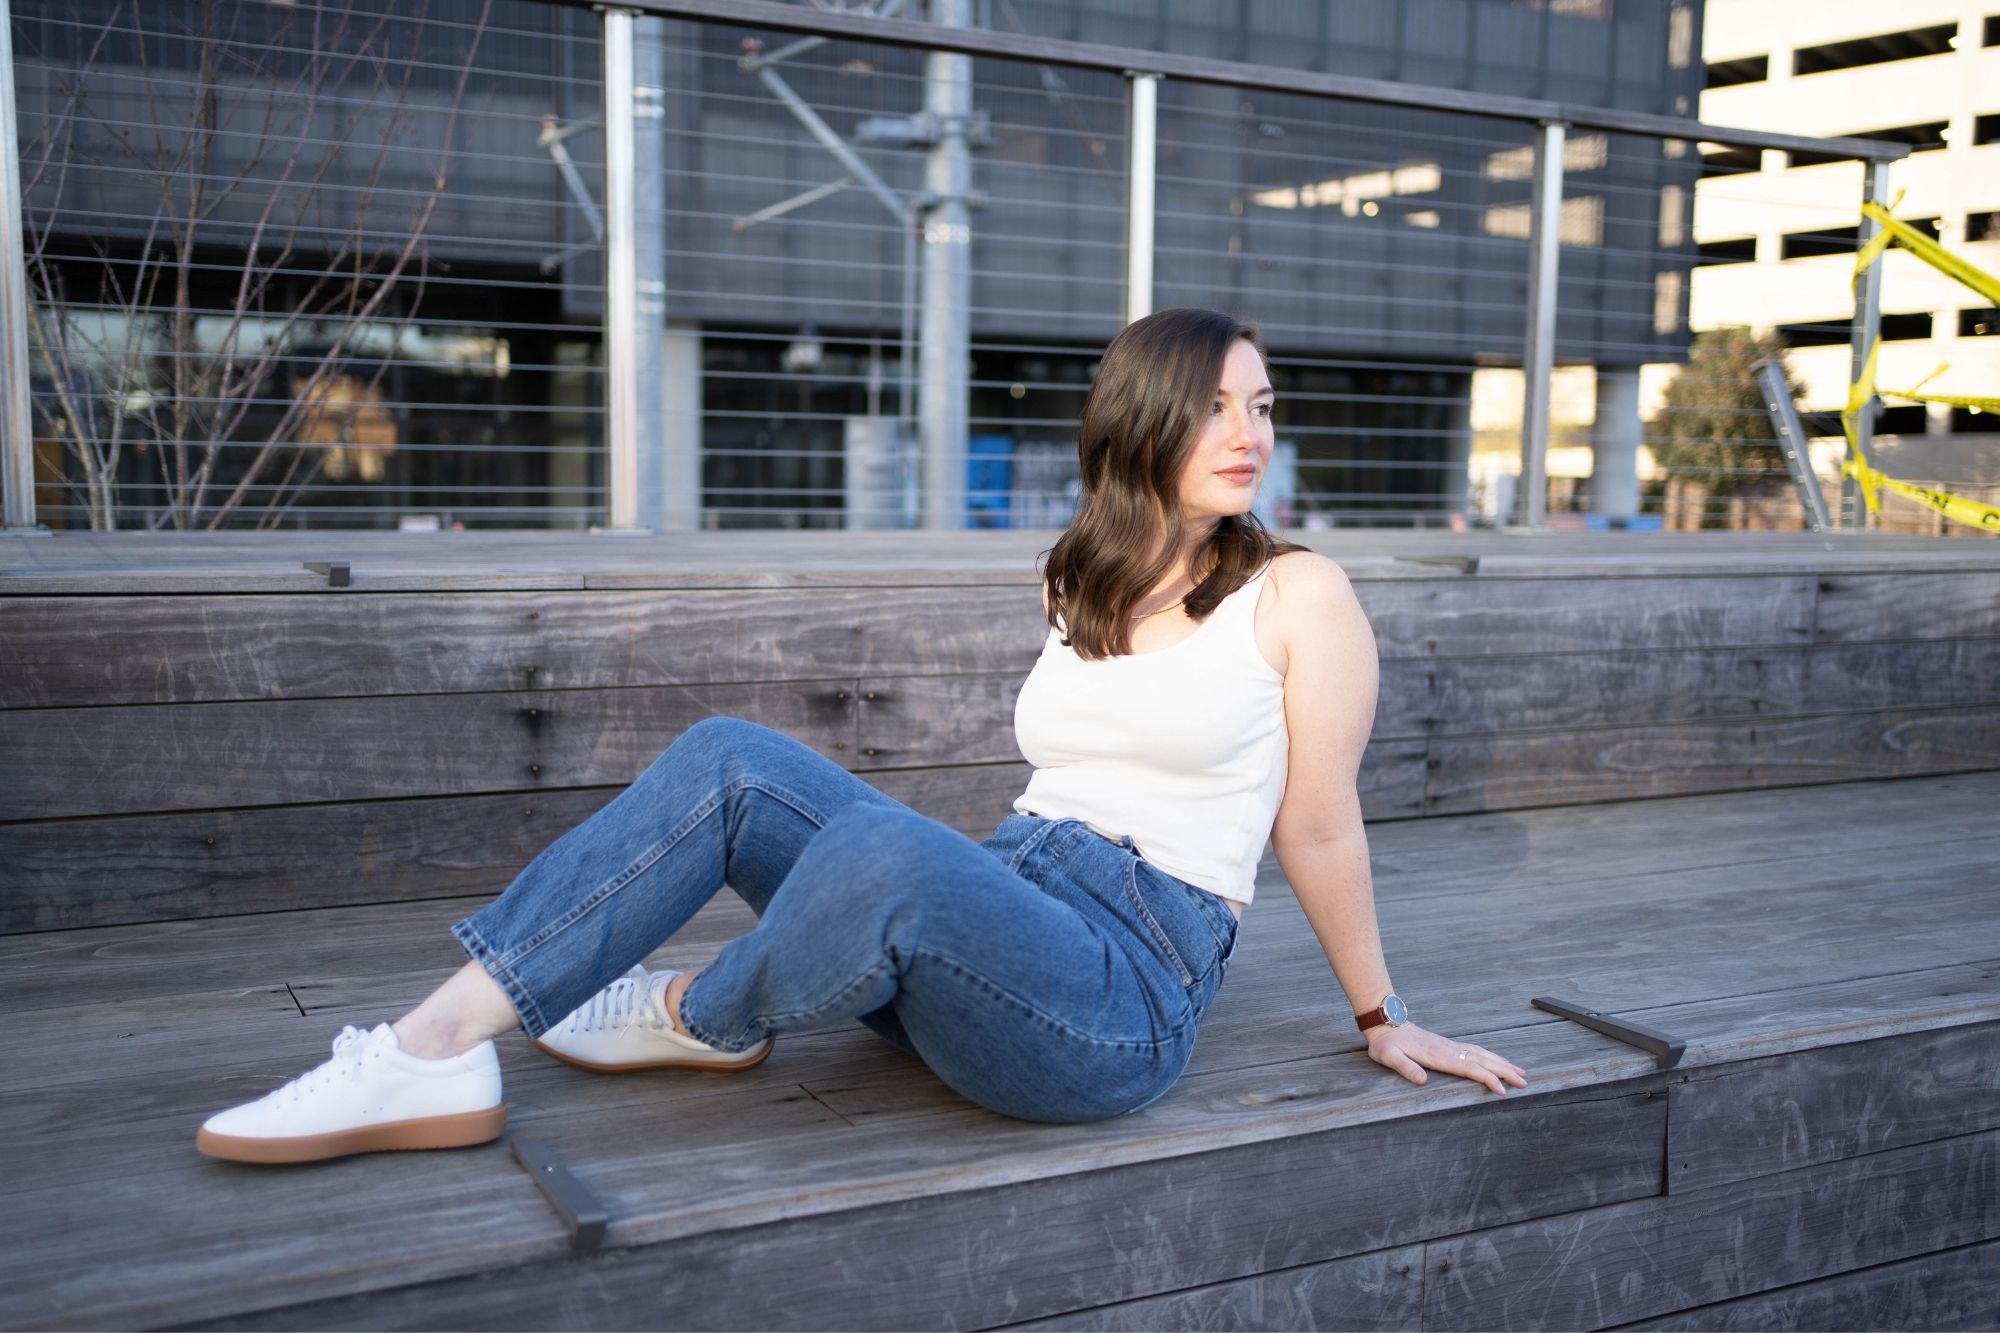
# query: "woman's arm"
1331 681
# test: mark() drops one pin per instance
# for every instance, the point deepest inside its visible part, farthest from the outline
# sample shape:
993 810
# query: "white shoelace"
349 1050
624 1004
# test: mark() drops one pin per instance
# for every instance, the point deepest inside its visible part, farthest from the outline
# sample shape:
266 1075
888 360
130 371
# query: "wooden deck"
1738 787
1827 1154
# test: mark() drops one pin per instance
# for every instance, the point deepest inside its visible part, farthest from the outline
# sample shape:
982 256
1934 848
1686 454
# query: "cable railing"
344 263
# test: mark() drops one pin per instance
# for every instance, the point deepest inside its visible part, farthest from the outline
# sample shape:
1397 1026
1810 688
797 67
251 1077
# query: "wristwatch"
1390 1011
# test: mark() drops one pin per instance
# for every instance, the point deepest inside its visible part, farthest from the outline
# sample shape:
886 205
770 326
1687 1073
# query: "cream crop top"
1183 747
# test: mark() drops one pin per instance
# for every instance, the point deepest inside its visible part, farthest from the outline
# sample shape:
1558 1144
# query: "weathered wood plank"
401 1216
1382 1290
1618 763
180 649
1952 1289
1454 695
985 1256
1907 674
92 761
1612 839
1738 1121
388 944
900 721
183 562
71 873
1917 604
1463 617
1605 1266
224 649
972 798
1480 852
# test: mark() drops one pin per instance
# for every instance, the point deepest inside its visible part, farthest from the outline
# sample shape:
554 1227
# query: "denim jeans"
1048 973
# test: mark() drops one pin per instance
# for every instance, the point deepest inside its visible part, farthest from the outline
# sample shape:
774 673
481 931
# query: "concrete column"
678 405
1614 446
653 407
17 436
621 314
945 347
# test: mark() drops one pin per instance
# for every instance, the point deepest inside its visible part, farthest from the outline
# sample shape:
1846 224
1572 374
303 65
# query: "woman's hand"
1409 1050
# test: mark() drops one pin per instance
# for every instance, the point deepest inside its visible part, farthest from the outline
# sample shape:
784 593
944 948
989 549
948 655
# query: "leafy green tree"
1713 427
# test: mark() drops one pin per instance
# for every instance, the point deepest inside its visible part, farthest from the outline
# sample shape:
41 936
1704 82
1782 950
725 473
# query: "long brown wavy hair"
1145 410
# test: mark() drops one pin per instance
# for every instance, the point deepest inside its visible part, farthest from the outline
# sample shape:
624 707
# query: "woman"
1203 687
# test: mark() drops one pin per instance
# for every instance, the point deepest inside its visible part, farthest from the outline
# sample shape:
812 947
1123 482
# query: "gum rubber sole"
465 1130
685 1062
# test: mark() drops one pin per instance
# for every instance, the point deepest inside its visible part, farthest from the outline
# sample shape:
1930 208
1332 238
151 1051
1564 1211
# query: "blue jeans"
1047 973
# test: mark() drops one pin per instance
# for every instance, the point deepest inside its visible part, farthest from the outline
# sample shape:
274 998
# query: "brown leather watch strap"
1391 1011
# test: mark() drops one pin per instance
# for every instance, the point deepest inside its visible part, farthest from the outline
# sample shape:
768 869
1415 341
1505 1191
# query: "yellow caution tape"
1971 400
1871 482
1928 250
1983 516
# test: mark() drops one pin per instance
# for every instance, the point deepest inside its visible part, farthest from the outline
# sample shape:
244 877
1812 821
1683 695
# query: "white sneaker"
370 1097
625 1027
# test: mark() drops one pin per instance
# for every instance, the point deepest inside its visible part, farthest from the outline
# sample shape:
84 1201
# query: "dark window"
1735 250
1743 69
1832 240
1722 160
1982 227
1909 419
1806 244
1979 323
1971 421
1876 50
1816 335
1992 30
1986 128
1828 333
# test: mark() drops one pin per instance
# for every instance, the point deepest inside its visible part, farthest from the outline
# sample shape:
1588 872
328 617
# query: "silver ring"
1461 1055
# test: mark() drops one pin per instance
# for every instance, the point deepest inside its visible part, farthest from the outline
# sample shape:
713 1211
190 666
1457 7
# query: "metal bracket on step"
336 571
1667 1050
568 1195
1464 564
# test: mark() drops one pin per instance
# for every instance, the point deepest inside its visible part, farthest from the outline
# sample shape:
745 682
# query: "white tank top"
1184 747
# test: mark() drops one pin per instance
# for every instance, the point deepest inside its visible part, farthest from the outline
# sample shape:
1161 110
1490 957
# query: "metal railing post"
621 306
944 347
1538 352
17 438
1867 328
1792 439
1141 152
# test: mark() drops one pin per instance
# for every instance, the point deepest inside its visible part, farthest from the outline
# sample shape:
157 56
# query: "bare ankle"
466 1010
675 989
430 1041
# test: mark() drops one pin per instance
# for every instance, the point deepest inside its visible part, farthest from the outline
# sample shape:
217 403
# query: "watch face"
1393 1010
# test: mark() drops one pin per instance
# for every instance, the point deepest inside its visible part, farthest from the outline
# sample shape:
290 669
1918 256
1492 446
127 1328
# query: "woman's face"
1233 450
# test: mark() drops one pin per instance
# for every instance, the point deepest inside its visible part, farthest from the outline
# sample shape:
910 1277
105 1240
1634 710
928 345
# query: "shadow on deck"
1831 956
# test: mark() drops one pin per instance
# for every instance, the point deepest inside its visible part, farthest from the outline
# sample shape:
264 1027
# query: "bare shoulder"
1309 574
1313 598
